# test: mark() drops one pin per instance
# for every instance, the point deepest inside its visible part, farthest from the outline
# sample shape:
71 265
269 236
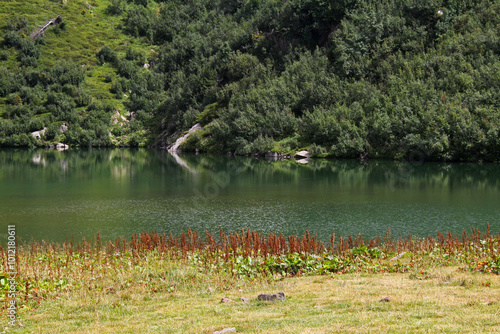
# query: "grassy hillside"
74 43
344 79
84 33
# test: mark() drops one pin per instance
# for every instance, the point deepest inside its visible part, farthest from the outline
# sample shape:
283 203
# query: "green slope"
82 34
344 78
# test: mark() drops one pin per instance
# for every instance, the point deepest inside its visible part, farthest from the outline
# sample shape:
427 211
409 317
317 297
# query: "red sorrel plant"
46 269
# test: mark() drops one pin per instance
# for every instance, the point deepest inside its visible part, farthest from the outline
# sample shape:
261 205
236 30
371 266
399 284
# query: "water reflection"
182 163
51 194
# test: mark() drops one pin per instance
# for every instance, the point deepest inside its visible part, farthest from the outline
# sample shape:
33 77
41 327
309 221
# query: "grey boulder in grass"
272 297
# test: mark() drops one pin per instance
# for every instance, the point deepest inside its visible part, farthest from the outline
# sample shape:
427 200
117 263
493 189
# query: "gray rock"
226 330
61 147
175 146
245 300
63 128
302 155
38 134
272 297
118 118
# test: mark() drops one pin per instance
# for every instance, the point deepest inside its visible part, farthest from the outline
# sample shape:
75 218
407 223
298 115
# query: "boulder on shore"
61 147
302 155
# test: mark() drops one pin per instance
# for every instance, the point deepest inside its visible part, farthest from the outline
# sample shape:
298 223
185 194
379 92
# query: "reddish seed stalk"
247 243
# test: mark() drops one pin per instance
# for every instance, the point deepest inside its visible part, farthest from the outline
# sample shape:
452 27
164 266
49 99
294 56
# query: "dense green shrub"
116 7
106 55
4 55
38 98
139 21
207 115
345 78
262 145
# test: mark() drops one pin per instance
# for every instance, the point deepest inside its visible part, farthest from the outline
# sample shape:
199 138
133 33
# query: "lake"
52 195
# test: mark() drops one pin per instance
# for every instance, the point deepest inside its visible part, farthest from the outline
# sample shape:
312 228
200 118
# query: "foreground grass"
446 301
155 283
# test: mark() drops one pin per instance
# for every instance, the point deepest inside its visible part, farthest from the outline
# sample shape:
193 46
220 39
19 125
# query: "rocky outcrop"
175 146
117 118
61 147
272 155
302 155
63 128
38 134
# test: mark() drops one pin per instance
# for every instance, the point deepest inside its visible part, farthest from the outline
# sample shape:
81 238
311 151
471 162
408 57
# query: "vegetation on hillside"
342 78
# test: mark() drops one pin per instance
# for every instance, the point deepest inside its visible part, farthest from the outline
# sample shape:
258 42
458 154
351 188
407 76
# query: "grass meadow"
154 283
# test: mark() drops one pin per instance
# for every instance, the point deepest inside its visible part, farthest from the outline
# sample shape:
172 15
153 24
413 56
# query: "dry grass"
445 301
153 283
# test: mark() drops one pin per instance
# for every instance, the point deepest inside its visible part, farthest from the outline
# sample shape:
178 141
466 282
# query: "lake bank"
158 286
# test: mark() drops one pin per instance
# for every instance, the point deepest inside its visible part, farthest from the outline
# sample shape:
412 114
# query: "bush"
207 115
288 145
262 145
139 22
132 54
12 39
192 142
126 68
349 77
116 7
106 54
28 61
117 131
4 55
320 126
17 23
52 131
317 150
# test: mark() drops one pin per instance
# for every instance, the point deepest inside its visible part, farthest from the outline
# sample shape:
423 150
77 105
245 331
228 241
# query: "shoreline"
152 279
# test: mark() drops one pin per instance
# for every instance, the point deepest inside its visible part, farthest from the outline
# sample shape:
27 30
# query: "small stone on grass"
272 297
226 330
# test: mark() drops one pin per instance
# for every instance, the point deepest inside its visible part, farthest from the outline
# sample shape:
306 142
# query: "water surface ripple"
52 195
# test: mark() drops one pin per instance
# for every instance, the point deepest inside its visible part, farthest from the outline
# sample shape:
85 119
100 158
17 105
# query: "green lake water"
52 195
